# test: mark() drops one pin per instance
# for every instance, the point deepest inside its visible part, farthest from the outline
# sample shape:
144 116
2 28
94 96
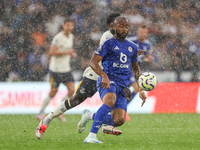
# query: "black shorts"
57 78
86 88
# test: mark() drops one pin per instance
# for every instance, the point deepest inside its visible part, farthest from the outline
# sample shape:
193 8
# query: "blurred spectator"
39 36
133 15
27 25
78 17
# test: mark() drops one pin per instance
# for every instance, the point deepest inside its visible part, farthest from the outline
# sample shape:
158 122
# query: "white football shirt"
61 64
89 73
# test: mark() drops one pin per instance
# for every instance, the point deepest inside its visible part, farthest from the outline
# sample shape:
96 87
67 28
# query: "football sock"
68 104
45 103
91 116
60 109
46 121
132 96
92 134
99 117
107 120
66 98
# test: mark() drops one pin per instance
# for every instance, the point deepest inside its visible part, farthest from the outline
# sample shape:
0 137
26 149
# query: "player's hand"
148 59
142 96
70 51
74 55
105 82
151 59
141 52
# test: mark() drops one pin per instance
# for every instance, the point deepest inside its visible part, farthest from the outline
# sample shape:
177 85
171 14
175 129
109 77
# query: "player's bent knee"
119 121
71 91
53 93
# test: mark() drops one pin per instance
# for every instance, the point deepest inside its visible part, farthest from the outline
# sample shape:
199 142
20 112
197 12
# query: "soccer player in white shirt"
61 51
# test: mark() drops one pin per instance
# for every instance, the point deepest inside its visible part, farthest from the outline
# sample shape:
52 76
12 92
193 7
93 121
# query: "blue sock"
99 118
132 96
107 120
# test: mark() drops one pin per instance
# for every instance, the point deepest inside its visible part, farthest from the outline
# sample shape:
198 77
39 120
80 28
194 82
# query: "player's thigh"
108 96
54 85
68 80
70 86
109 99
86 88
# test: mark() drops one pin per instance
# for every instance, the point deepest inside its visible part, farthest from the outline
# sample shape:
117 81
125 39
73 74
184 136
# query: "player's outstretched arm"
94 64
148 58
137 73
141 52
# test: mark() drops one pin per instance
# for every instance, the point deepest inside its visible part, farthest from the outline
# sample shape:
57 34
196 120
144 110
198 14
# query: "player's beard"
112 31
122 37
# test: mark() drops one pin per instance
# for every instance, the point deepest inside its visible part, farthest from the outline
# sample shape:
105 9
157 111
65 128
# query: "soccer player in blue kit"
88 84
142 43
119 60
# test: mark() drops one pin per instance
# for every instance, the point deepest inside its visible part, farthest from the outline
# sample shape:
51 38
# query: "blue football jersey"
116 59
146 45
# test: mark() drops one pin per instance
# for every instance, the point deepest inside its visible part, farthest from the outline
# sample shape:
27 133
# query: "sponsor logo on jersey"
120 65
123 58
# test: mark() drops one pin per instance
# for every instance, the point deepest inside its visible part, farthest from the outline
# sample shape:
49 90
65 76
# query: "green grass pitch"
143 132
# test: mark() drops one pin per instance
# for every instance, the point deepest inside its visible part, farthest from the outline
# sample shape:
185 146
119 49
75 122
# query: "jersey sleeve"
102 49
105 36
134 57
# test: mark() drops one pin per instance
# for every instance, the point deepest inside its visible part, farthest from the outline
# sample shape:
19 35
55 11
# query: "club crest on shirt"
130 49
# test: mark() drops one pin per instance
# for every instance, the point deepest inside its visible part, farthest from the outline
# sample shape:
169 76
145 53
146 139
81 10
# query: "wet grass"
143 132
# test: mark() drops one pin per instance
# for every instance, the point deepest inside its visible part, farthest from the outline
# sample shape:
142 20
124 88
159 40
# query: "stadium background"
27 28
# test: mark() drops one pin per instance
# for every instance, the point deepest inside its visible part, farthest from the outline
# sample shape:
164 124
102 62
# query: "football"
147 81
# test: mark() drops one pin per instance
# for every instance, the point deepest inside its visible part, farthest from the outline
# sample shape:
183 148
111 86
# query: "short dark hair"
68 20
112 17
143 26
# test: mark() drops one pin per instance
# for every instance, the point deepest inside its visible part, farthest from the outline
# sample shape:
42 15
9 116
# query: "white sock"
92 134
66 98
90 116
60 109
45 103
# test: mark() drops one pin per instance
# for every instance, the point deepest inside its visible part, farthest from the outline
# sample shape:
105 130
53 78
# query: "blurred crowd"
28 26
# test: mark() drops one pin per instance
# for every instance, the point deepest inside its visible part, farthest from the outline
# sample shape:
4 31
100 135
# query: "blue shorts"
121 101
